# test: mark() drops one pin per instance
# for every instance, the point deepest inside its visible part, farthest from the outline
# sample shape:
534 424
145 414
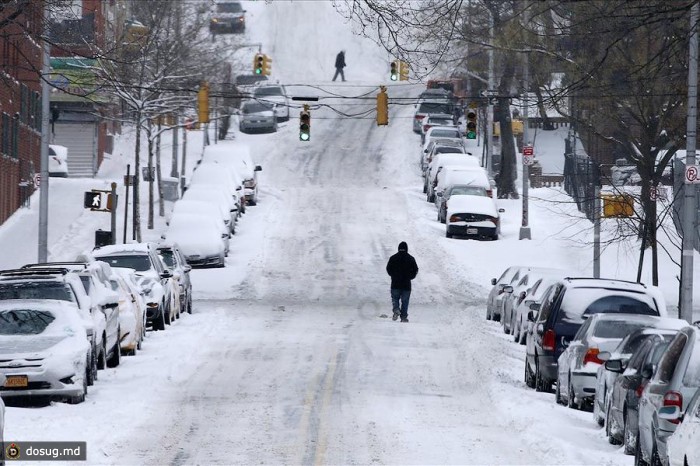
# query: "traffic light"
259 64
203 102
382 107
403 71
305 124
267 65
471 123
394 70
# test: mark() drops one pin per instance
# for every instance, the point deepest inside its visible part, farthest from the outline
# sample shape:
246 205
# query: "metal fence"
581 175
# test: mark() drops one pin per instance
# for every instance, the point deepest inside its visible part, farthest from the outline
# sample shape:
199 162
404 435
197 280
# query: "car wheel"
516 333
571 402
597 415
431 198
638 457
116 357
74 400
448 234
529 381
506 328
139 342
425 189
159 323
443 218
167 317
655 458
523 337
557 394
612 440
92 367
102 356
488 313
540 384
629 438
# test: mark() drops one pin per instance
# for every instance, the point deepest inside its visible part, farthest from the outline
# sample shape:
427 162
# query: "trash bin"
103 238
171 191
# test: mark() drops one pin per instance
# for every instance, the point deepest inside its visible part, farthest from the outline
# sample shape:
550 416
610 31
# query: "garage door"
81 141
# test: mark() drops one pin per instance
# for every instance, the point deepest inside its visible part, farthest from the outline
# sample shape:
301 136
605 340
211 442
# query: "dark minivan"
564 308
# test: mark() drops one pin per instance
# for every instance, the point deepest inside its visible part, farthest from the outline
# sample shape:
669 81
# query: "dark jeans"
402 295
339 71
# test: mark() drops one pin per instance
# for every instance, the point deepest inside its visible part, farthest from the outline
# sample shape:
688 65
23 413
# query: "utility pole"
183 168
689 209
45 109
524 227
596 230
173 166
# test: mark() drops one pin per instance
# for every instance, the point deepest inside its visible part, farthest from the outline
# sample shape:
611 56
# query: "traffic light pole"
524 227
689 190
44 177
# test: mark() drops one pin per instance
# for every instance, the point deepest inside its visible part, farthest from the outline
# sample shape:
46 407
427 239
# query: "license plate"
14 381
472 231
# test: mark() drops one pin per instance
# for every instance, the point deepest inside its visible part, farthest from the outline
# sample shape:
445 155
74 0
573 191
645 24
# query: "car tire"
628 436
431 198
159 323
488 313
655 458
529 379
92 367
571 402
448 234
597 416
540 384
167 316
75 400
116 357
612 440
425 189
557 394
102 357
638 458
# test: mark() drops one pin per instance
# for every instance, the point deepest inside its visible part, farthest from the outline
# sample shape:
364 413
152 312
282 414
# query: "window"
136 262
692 371
14 149
548 300
6 134
667 365
588 301
24 321
616 329
23 103
641 354
36 290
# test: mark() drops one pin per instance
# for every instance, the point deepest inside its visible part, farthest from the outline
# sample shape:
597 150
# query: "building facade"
20 102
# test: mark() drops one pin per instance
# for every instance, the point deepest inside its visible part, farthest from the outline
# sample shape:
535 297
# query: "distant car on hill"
227 18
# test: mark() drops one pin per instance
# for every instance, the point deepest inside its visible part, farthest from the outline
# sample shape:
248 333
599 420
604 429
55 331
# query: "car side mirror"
438 194
613 365
647 371
258 168
187 268
166 274
530 316
507 289
501 210
535 306
522 295
671 413
604 355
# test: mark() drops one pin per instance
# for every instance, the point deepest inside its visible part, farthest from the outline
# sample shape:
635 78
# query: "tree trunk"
507 173
546 121
137 183
159 174
150 179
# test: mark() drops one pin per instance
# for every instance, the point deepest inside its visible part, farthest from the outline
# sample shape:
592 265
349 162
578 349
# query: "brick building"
20 101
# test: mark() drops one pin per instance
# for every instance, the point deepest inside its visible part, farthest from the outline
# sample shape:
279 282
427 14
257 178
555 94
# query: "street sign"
36 180
692 174
528 159
528 150
489 93
653 193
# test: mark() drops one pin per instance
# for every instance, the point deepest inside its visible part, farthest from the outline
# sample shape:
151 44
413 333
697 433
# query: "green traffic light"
471 135
304 136
393 77
258 70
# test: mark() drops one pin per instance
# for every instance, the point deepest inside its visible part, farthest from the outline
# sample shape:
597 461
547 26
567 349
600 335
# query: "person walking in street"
402 268
339 65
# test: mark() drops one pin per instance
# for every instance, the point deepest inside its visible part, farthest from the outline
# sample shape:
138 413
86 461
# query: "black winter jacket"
402 268
340 60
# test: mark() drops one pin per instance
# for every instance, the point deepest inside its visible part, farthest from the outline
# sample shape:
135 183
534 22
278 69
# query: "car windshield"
468 190
449 150
255 107
24 321
616 329
441 121
444 133
132 261
268 91
36 290
229 8
168 257
580 302
692 373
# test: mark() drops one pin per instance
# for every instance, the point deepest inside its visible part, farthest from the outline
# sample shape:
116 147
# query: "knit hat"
403 246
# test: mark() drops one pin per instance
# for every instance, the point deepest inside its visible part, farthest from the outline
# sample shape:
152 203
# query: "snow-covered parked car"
239 156
155 279
215 195
211 174
472 216
58 160
216 212
43 350
578 365
132 310
200 242
455 190
684 444
449 175
175 260
274 94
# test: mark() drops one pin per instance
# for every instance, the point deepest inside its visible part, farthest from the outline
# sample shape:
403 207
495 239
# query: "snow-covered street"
290 355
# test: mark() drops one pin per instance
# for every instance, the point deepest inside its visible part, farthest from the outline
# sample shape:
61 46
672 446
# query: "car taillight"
495 220
455 218
592 356
426 128
549 340
640 388
489 193
672 398
420 117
